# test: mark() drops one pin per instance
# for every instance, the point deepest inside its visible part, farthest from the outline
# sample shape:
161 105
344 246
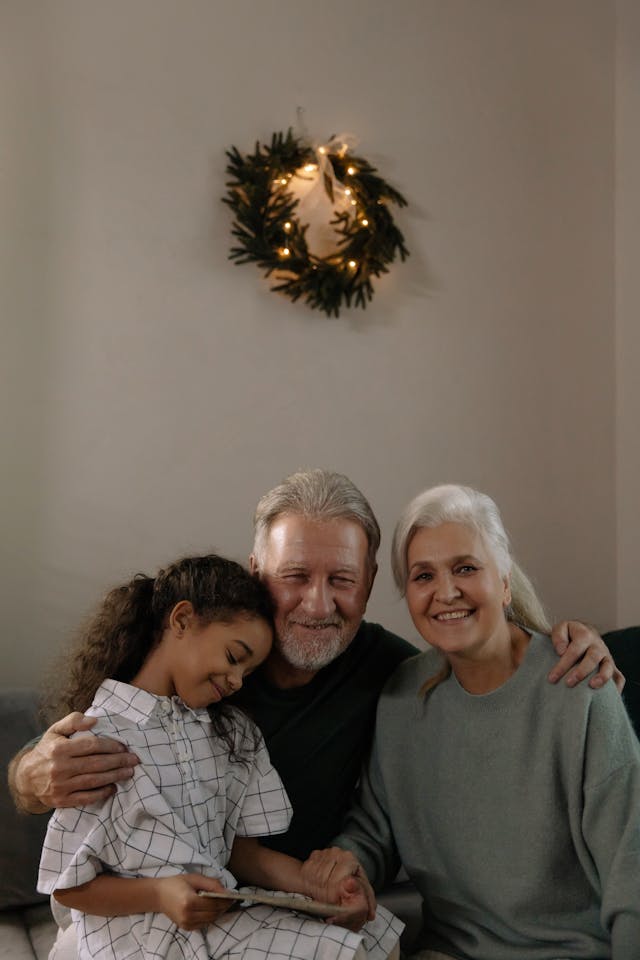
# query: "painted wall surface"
628 307
151 391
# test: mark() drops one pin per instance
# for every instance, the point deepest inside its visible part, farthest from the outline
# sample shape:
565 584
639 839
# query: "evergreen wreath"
268 233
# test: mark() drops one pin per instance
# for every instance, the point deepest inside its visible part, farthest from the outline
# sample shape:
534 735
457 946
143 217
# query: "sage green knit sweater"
516 813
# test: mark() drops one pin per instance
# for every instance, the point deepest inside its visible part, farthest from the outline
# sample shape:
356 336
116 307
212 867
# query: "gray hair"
318 495
452 503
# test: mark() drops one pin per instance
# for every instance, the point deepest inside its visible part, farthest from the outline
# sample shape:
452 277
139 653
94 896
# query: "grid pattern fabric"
179 813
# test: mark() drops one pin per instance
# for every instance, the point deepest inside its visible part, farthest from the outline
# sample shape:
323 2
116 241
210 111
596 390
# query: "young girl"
158 659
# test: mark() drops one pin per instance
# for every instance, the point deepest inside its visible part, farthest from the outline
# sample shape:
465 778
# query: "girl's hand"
178 899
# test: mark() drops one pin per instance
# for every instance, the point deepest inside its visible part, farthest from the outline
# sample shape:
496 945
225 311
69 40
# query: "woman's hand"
177 898
325 873
354 895
63 772
581 647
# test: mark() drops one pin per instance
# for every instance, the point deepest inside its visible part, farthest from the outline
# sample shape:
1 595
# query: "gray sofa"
27 928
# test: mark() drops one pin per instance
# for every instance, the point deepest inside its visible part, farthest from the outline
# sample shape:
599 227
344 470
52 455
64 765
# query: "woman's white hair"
452 503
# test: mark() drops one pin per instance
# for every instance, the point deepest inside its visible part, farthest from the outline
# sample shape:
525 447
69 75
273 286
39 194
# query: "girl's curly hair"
116 640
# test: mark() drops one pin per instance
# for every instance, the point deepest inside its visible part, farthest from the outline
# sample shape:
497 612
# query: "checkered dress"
179 813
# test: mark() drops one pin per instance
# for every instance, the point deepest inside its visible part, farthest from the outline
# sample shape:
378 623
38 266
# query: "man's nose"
317 599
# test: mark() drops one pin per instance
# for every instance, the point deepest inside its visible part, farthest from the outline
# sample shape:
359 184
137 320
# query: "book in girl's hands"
287 901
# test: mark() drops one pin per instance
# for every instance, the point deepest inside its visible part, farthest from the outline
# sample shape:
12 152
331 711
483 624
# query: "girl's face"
210 661
455 593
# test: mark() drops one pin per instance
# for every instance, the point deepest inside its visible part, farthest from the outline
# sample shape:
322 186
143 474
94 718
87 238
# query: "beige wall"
628 307
151 391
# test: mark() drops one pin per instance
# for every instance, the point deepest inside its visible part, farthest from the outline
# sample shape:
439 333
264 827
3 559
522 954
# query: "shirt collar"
140 706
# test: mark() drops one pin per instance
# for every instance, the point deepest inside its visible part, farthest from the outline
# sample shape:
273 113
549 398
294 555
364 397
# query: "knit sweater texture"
516 813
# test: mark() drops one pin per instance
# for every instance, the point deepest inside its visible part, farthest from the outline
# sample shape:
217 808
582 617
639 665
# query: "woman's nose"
447 589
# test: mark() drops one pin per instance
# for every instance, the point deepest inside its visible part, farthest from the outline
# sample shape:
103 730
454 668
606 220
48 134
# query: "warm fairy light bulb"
287 226
348 192
351 171
310 167
285 252
365 222
352 264
322 150
283 181
353 203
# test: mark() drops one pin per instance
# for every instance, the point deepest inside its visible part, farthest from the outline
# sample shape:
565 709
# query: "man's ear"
181 617
253 565
372 577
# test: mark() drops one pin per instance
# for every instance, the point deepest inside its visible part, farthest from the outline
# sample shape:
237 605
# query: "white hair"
453 503
319 495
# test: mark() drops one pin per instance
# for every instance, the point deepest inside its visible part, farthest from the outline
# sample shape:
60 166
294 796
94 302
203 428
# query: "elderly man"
316 540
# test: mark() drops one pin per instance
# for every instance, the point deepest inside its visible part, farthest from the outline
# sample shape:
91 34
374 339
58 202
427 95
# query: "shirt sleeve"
611 818
265 808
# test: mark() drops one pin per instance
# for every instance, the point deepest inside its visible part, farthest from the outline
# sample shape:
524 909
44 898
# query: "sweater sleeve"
367 829
611 818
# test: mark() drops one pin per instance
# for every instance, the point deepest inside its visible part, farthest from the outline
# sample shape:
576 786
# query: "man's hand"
59 772
582 648
178 899
325 873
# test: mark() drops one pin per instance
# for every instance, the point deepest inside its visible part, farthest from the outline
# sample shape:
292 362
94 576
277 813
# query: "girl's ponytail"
114 642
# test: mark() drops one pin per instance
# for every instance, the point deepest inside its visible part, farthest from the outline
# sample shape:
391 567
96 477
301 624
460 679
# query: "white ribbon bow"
327 189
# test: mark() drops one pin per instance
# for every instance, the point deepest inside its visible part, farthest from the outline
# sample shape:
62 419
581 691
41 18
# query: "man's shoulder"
375 640
412 672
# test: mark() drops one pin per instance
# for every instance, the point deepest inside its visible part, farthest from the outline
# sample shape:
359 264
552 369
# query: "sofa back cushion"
21 835
625 649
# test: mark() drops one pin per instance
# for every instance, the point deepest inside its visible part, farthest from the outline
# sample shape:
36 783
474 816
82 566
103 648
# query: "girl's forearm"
252 863
107 896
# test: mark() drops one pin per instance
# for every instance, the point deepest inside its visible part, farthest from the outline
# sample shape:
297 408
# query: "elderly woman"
514 805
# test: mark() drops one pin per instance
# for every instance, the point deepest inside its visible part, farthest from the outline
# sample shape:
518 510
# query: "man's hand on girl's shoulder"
65 771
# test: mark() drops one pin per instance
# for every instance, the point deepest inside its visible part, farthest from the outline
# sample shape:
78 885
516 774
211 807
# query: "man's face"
318 574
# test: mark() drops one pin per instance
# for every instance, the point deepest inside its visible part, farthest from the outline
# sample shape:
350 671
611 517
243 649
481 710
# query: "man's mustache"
308 622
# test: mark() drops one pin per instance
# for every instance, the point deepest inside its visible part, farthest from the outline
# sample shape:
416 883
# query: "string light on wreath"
270 230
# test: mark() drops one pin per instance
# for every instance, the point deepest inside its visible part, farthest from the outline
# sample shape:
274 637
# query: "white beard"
310 654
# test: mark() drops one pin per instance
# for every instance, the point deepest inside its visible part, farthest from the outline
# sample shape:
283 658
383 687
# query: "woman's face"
455 594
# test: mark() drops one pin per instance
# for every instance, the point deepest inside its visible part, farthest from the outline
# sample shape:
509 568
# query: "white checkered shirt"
179 813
